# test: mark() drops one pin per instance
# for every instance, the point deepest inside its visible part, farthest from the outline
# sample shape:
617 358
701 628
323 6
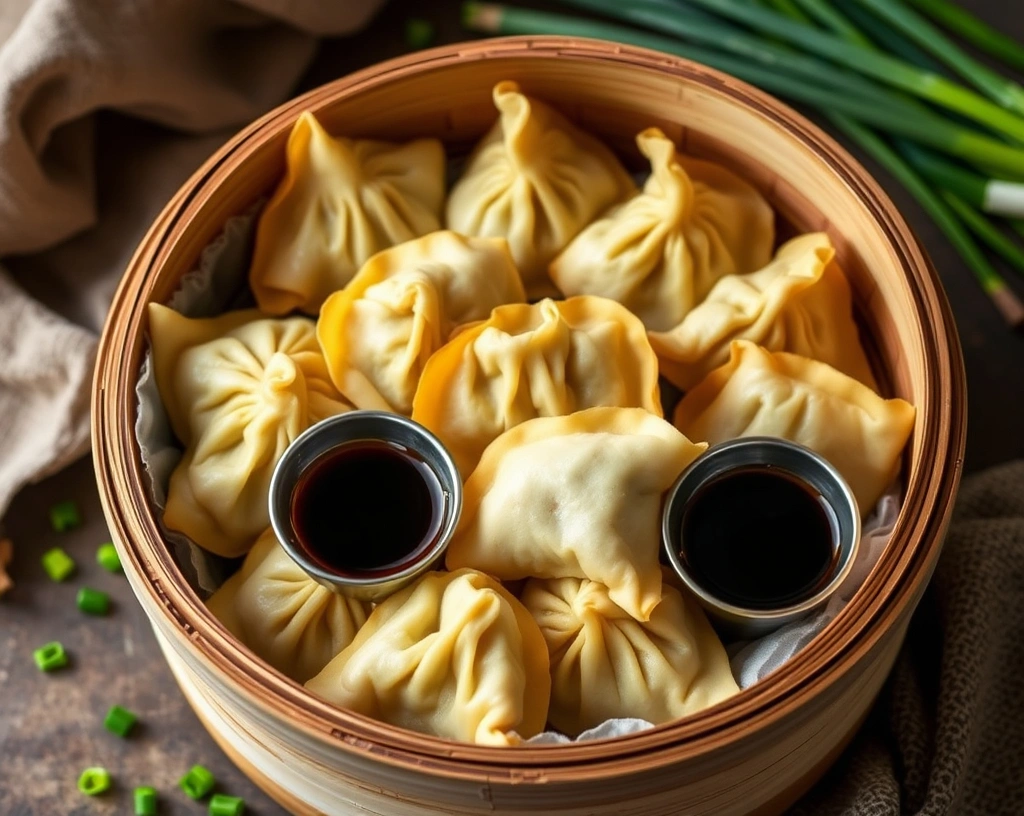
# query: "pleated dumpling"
341 201
606 665
546 359
660 253
284 616
537 180
800 302
238 389
763 393
378 332
575 497
454 655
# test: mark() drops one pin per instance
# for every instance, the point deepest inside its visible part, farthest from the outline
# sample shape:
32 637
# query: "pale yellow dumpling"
238 389
537 180
454 655
341 201
763 393
378 332
661 252
546 359
577 496
800 302
284 616
606 665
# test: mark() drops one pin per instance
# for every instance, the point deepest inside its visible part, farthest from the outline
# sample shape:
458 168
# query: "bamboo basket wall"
755 753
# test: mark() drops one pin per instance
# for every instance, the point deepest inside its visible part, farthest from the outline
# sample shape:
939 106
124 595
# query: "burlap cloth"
173 79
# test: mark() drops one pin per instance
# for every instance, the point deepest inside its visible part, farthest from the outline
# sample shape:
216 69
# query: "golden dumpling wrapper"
340 202
454 655
238 390
800 303
577 496
763 393
605 664
545 359
379 331
289 620
537 180
661 252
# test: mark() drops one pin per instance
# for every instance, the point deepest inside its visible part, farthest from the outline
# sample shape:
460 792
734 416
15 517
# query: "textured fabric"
947 735
78 188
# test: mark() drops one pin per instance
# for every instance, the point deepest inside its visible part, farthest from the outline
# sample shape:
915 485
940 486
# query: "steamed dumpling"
760 393
660 253
341 201
606 665
284 616
575 497
238 389
547 359
454 655
537 180
800 303
378 332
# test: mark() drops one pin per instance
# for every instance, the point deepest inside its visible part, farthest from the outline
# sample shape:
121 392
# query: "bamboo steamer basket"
757 752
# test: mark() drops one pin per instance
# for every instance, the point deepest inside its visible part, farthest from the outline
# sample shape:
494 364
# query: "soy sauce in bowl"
365 502
762 531
368 509
759 538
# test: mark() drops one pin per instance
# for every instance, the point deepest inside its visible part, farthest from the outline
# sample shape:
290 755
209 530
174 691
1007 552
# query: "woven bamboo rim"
246 167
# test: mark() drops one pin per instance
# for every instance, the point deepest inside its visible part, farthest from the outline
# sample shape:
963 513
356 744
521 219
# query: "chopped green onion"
92 601
922 127
107 557
418 33
916 28
197 782
51 656
64 516
94 781
221 805
58 564
977 32
145 801
892 71
119 721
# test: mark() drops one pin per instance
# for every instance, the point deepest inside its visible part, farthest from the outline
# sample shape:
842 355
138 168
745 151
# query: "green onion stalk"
975 31
917 29
992 283
992 195
955 184
985 230
842 110
931 87
926 128
828 17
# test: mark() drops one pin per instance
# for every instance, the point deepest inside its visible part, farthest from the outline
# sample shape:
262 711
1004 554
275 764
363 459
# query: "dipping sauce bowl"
762 531
365 502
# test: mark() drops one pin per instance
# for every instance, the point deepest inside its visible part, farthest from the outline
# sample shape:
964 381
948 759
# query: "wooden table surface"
51 726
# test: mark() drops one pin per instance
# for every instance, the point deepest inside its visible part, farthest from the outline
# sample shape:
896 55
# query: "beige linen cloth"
175 78
78 189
